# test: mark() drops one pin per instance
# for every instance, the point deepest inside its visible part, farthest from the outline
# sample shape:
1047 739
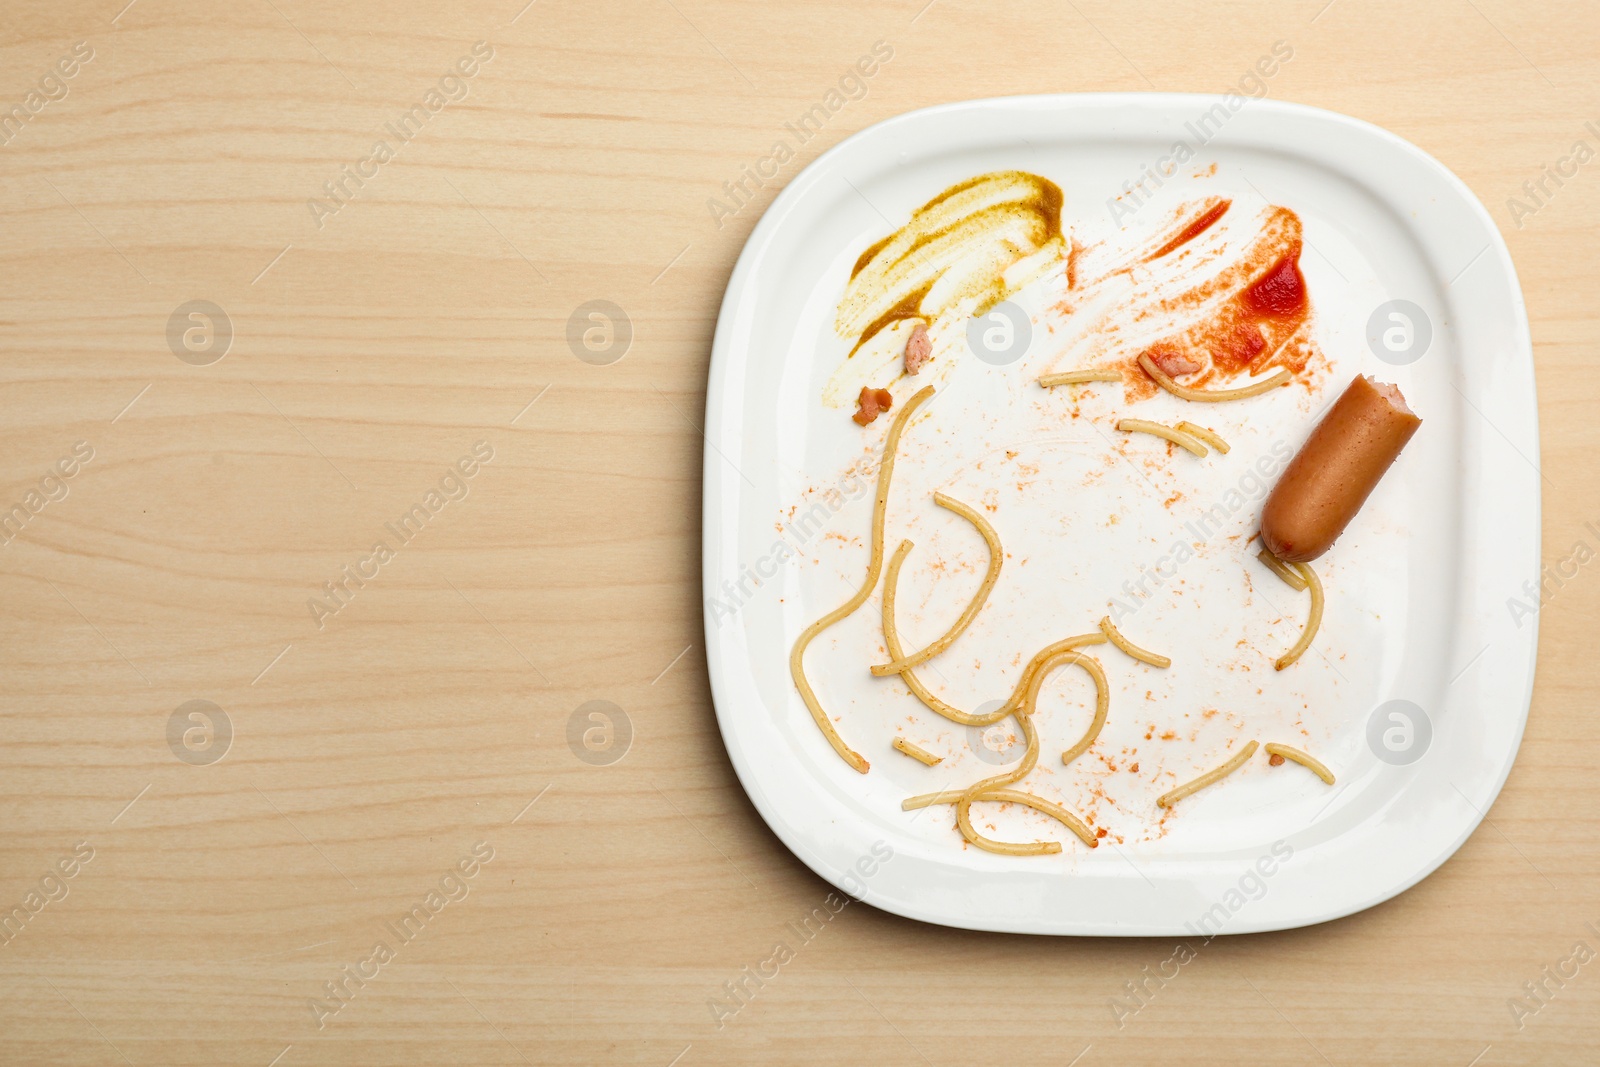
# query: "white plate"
1418 588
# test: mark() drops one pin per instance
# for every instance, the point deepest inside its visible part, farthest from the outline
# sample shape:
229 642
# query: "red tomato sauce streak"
1199 226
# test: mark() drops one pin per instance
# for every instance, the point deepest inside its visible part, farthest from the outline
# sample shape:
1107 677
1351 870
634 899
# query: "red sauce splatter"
1280 293
1199 226
1261 310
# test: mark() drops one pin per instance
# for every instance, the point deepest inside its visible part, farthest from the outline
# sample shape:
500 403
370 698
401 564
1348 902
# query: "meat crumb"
1101 832
1276 760
918 348
870 404
1174 364
1134 769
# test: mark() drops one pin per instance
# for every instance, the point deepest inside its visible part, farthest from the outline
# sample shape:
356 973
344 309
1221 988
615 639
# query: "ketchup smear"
1194 229
1267 312
1280 293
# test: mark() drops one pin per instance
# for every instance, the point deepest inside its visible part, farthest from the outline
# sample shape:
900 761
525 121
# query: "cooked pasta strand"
1162 430
1166 800
1010 796
1078 377
874 566
1102 704
1305 759
1155 659
973 792
1209 436
1019 705
1212 396
1290 576
916 752
996 555
891 640
1312 623
988 788
1012 848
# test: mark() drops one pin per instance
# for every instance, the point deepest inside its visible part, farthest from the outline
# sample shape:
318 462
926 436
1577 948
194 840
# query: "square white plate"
1418 587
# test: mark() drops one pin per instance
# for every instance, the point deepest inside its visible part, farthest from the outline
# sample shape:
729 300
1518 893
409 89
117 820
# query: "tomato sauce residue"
1199 226
1261 312
1254 329
1281 292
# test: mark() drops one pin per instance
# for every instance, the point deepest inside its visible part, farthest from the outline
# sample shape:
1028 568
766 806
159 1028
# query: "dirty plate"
1417 688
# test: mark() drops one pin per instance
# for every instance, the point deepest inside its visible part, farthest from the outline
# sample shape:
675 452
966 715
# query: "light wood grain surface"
373 748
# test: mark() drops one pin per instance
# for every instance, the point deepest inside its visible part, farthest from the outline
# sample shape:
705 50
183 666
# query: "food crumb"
918 348
870 404
1276 760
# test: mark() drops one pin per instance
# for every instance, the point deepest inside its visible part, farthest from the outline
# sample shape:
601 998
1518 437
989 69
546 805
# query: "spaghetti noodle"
1209 436
975 792
979 598
1166 800
984 790
1212 396
1284 571
875 564
1143 656
1078 377
1102 703
1010 796
916 752
1312 623
1162 430
891 639
1305 759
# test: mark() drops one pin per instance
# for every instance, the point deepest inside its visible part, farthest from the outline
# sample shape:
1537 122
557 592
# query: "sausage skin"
1336 470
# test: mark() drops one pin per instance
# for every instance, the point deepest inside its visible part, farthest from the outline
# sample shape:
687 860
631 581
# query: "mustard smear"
964 251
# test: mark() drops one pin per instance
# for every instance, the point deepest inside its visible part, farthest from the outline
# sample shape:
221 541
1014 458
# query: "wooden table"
373 317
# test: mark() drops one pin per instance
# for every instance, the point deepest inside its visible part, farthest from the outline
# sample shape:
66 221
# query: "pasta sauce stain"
1259 324
1194 229
1281 292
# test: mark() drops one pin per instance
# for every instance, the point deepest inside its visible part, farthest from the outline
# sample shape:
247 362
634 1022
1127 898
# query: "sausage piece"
1336 470
871 403
919 346
1173 364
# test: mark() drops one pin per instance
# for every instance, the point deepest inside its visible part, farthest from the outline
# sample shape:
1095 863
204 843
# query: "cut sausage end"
1392 394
